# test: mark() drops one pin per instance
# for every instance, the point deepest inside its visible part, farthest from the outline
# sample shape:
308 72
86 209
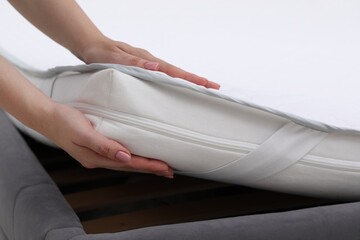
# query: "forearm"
62 20
22 99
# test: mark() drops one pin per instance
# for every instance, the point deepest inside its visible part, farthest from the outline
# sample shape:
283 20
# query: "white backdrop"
301 57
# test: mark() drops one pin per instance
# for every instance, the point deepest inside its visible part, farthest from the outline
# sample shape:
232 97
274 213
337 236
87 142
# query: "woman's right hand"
73 132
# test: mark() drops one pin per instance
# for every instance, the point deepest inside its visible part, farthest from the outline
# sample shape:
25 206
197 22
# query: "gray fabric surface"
31 207
337 222
30 203
2 234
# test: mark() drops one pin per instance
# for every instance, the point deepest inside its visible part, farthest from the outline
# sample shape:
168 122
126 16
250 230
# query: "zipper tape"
166 129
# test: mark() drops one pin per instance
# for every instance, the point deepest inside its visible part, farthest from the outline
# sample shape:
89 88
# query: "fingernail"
123 156
169 177
151 65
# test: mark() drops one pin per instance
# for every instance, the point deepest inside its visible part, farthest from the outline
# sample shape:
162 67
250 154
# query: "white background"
301 57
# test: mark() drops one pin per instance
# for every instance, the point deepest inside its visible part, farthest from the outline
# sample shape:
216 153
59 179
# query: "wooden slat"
124 201
241 204
154 187
77 175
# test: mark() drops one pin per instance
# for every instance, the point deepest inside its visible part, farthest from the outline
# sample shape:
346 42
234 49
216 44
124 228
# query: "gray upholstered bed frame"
32 207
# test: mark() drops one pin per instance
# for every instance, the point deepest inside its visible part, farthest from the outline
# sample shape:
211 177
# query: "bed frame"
58 199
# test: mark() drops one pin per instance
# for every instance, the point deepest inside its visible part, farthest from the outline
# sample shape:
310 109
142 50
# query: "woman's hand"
66 23
67 127
73 132
106 50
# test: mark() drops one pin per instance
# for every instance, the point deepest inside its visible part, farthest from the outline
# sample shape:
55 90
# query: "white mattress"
290 61
207 134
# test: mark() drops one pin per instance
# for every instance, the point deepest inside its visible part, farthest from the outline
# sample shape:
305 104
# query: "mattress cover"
207 134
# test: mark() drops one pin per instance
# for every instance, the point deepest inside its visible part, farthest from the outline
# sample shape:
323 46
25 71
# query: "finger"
179 73
144 165
213 85
150 165
173 71
144 59
132 60
91 159
105 147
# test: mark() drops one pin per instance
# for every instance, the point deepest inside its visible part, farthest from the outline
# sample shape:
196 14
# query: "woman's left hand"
110 51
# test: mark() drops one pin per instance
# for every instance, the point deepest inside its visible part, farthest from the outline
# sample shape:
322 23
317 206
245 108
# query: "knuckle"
104 150
143 51
112 57
134 61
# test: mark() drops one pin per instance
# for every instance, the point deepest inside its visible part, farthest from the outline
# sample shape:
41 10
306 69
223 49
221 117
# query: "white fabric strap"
284 148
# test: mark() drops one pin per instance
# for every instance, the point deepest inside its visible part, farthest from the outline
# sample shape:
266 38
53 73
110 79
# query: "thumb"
106 147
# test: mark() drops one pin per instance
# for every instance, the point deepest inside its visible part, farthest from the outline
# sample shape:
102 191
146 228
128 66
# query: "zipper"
206 140
331 163
167 130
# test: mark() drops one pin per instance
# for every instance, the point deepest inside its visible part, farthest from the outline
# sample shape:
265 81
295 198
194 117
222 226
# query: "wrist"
86 49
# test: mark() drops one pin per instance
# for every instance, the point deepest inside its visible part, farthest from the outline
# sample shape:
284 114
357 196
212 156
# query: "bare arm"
21 99
63 21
